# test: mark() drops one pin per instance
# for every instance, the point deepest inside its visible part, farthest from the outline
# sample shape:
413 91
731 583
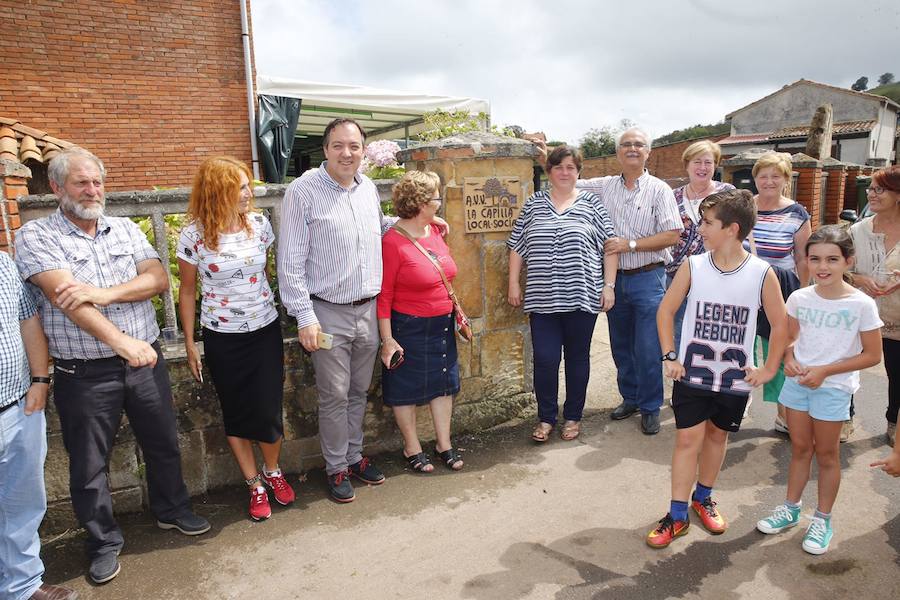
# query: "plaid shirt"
109 259
15 305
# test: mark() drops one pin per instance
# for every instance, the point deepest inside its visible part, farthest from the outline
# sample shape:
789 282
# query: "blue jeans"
679 316
23 501
634 341
550 334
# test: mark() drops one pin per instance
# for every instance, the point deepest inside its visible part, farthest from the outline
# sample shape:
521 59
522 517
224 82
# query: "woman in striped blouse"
559 235
779 238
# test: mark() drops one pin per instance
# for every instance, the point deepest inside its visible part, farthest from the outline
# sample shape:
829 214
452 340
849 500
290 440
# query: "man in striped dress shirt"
647 223
329 272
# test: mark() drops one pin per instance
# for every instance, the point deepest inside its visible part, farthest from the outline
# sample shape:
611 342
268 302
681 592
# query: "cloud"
569 65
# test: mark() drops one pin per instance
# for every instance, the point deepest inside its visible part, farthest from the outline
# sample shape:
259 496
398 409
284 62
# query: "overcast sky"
565 66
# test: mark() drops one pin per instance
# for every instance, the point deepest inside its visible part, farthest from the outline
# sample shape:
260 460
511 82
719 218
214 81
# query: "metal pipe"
251 98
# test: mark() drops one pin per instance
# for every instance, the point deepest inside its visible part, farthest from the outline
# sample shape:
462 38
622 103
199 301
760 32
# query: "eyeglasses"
877 189
635 145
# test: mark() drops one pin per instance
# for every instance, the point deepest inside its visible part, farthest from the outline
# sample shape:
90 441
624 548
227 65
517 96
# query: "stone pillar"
14 178
495 368
837 181
809 186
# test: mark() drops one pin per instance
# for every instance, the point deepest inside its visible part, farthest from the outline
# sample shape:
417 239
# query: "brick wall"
809 191
150 87
664 162
13 185
834 196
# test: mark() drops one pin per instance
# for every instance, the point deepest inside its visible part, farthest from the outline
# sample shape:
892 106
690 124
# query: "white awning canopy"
383 113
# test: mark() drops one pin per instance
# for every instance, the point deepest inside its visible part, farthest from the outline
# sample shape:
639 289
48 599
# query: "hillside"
891 90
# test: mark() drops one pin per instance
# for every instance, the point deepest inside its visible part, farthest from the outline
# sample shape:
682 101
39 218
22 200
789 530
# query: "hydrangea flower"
382 153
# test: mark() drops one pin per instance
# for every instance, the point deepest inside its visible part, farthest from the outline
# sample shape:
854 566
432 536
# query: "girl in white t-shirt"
835 330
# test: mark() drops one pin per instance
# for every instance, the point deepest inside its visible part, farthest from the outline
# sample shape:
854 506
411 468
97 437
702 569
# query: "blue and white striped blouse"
563 253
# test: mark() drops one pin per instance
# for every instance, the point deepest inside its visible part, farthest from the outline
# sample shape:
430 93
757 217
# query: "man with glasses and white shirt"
647 223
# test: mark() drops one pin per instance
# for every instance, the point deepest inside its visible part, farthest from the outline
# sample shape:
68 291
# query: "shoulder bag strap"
432 259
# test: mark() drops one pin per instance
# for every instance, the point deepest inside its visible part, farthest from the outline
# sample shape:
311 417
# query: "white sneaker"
780 426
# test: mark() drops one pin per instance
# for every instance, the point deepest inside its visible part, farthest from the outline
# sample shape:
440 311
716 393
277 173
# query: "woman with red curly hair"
226 243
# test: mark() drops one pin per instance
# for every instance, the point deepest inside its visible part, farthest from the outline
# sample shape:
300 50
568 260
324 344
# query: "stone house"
864 130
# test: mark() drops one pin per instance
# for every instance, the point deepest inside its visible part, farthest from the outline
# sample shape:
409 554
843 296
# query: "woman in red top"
415 319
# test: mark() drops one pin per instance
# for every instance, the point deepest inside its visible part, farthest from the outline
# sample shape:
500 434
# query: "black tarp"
278 116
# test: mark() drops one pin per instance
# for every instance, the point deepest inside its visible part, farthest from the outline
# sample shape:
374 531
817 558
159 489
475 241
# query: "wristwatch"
670 355
632 245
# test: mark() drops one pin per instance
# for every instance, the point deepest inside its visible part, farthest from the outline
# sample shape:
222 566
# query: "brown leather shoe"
54 592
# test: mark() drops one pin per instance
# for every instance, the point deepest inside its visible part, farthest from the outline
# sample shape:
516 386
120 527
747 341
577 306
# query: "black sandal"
450 457
418 462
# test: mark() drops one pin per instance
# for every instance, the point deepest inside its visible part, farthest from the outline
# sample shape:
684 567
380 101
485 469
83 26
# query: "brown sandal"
570 430
541 432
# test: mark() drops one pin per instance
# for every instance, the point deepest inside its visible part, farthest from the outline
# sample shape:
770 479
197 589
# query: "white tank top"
720 323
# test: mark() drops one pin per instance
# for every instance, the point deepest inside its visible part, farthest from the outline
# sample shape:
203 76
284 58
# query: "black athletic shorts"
692 406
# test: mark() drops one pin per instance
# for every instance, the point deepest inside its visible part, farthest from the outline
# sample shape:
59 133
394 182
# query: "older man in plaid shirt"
94 277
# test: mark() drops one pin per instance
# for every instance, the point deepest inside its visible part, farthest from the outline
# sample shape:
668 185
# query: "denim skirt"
430 368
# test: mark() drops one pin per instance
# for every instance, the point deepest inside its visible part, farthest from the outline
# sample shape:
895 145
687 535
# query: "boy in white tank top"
713 369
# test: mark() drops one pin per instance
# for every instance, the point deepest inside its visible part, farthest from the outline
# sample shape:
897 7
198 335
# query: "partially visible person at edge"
226 243
725 289
416 321
24 383
560 234
877 273
93 278
329 272
647 223
779 238
700 161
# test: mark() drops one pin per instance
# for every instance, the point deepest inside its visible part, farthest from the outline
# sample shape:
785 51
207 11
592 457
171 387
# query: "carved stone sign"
491 203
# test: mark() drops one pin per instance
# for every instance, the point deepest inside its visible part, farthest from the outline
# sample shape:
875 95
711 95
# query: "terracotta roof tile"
20 143
744 139
837 129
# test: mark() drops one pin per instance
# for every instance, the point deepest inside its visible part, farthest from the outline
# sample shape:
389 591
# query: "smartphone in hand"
325 340
396 360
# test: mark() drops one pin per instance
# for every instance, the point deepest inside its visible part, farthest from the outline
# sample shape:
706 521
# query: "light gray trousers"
343 377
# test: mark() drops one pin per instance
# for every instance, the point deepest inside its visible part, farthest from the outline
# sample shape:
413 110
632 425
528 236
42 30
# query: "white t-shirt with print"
235 294
829 331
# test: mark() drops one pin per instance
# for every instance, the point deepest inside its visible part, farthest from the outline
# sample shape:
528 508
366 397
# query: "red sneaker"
259 504
667 530
709 515
282 490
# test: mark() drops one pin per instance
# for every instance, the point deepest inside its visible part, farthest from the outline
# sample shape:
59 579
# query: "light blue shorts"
824 403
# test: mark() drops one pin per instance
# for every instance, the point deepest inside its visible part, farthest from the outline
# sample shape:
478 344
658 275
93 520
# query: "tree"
602 141
885 78
861 84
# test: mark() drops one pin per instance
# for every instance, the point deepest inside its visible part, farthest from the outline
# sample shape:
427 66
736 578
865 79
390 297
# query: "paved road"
565 520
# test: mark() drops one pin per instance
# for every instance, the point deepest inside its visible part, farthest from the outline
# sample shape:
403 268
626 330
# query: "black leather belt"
354 303
3 409
643 269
